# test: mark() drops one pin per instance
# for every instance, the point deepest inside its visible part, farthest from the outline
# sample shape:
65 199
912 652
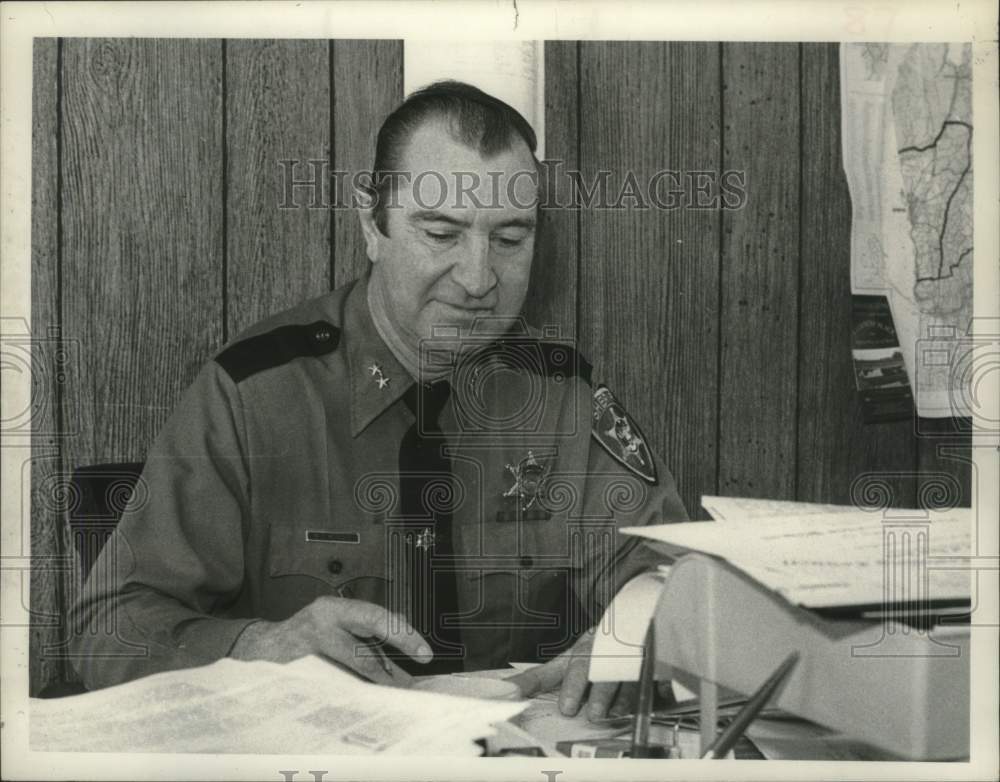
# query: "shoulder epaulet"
551 359
559 358
274 348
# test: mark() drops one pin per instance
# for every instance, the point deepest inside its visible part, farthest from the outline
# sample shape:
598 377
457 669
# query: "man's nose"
474 272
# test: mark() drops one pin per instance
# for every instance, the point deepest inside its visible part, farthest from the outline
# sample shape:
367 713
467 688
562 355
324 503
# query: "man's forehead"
441 174
442 199
433 147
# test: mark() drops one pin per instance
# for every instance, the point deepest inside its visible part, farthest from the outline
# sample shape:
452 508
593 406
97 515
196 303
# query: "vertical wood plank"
649 277
552 294
142 232
760 248
277 108
835 448
367 78
46 528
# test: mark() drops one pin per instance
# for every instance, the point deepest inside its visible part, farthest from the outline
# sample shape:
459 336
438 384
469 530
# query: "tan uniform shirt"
276 480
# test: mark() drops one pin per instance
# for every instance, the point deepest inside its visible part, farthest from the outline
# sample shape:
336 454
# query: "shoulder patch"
274 348
620 436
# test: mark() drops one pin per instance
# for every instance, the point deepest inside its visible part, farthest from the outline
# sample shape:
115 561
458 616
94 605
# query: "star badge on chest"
529 481
425 539
620 436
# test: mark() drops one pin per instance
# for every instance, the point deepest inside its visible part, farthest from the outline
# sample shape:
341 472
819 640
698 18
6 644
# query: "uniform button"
527 562
335 566
322 335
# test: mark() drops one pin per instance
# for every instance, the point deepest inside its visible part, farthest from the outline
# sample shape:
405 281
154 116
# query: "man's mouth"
470 308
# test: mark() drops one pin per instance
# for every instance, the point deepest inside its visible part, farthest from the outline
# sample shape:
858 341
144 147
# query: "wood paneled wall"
157 236
725 332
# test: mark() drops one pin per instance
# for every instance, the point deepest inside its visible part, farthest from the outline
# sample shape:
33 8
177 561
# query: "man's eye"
437 236
506 241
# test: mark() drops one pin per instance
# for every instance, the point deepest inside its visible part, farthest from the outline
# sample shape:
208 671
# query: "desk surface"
776 739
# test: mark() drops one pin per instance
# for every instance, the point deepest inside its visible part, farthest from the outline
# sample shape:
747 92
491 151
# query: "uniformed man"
398 475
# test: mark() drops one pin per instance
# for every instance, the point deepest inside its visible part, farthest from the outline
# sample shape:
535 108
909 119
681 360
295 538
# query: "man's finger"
370 657
574 685
601 696
338 650
624 702
370 669
368 620
541 678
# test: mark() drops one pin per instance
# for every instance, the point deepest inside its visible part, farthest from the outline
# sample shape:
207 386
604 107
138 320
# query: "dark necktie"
427 493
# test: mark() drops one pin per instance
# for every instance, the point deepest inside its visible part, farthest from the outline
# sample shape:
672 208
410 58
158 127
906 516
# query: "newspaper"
305 707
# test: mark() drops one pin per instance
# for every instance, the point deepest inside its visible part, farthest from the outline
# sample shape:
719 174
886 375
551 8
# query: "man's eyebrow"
517 222
432 215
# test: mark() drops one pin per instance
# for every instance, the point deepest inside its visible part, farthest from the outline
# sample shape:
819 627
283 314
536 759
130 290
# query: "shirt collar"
377 378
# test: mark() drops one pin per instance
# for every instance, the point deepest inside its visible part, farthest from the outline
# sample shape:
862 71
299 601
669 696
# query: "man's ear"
372 234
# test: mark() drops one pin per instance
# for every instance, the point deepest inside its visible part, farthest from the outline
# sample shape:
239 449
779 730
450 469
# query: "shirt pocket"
306 563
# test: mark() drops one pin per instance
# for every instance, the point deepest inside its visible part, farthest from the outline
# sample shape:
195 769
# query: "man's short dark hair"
474 118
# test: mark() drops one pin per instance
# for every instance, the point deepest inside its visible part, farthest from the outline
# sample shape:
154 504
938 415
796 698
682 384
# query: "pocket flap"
330 555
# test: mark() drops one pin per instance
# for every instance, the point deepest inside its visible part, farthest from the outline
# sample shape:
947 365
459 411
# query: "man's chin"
451 341
455 323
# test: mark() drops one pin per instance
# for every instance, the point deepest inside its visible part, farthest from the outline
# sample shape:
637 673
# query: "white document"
735 508
541 724
618 644
544 723
826 560
306 707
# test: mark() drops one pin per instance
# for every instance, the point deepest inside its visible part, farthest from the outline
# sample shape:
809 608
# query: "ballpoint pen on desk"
669 715
732 732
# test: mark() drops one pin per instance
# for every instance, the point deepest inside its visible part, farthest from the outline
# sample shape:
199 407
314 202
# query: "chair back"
103 491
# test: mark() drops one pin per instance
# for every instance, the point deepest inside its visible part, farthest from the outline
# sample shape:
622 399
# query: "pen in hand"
376 647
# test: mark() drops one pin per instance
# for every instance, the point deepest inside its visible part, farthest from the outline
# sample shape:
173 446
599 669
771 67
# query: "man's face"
460 237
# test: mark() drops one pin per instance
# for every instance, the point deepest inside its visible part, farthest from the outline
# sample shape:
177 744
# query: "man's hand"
570 669
337 628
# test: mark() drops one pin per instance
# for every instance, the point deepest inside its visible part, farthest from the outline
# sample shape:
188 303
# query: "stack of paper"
820 558
305 707
737 508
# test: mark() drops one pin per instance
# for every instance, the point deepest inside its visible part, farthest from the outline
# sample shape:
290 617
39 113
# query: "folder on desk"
746 596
